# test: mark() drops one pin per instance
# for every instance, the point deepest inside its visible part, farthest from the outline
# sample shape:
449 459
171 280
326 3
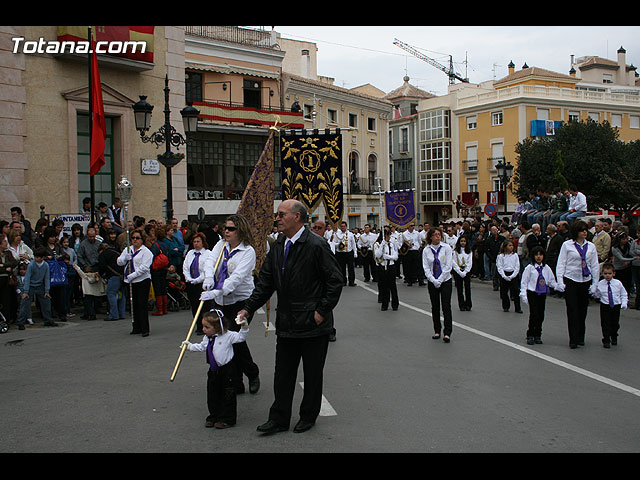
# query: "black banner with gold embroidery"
312 170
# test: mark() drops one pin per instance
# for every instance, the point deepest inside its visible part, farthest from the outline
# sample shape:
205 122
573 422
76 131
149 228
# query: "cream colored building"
44 127
478 125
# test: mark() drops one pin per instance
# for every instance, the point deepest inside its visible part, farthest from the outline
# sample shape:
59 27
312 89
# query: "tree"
586 154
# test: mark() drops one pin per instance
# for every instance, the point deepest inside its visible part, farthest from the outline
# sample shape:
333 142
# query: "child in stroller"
176 293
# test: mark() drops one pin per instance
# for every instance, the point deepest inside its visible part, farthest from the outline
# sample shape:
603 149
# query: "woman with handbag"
137 261
159 269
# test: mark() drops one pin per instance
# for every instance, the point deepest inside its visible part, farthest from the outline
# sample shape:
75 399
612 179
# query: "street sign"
490 209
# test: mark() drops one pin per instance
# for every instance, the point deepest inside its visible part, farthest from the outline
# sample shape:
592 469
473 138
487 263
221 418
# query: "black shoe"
352 284
332 337
537 340
394 309
303 426
20 327
254 385
606 345
145 334
505 309
446 339
529 340
519 310
271 427
614 341
573 345
50 324
384 309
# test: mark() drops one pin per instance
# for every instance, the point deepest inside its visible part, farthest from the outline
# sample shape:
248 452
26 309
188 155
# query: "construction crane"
449 71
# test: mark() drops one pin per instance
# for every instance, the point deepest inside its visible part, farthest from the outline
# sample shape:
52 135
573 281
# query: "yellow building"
489 119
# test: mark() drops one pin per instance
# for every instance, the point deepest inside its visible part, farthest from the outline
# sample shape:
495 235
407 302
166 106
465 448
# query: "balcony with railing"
235 113
242 35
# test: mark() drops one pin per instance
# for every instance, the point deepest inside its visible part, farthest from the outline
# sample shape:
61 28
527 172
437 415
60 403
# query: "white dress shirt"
508 262
570 264
620 296
223 346
141 263
386 253
446 262
530 279
413 238
339 237
462 262
202 261
367 240
239 284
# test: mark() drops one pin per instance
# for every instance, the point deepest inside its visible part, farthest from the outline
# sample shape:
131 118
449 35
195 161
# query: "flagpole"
91 179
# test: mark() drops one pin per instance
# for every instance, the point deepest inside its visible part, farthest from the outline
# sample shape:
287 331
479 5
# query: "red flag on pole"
98 125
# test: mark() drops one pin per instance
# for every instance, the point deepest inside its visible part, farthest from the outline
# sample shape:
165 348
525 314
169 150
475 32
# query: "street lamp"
505 172
166 134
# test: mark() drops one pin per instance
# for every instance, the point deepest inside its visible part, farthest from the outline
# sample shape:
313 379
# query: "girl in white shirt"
218 343
537 279
437 261
577 272
508 267
462 263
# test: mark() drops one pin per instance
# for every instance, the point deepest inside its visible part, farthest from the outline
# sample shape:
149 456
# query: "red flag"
98 125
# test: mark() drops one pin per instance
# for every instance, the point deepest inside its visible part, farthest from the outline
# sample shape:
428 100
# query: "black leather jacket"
312 282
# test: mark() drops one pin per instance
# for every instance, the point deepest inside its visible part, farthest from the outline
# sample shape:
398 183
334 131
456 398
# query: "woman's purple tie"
194 269
582 251
224 272
437 268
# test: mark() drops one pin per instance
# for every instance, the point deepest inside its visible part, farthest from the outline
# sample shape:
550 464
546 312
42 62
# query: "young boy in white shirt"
613 297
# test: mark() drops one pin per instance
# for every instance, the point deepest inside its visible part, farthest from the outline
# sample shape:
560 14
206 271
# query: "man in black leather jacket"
309 282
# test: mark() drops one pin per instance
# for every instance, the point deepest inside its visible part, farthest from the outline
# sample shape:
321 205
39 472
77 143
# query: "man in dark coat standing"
302 270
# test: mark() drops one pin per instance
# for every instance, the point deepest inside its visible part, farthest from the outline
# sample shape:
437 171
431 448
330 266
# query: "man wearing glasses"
302 270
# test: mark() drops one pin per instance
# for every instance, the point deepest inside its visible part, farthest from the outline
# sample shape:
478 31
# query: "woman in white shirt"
386 255
193 269
577 272
437 261
231 285
462 263
508 267
137 261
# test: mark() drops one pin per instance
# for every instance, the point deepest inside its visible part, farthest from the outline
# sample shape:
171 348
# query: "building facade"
44 150
488 120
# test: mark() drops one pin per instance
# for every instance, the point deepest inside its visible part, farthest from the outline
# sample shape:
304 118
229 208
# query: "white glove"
560 287
524 299
207 284
130 277
242 321
593 289
127 256
185 343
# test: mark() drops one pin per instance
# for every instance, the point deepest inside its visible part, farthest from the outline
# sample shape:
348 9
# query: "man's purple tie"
286 253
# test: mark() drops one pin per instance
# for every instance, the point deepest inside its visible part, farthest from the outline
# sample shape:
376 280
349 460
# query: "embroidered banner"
400 207
312 170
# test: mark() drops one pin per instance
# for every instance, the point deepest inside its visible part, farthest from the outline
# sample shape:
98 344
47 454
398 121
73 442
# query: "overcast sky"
356 55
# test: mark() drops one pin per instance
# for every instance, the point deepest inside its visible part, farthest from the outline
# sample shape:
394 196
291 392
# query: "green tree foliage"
586 154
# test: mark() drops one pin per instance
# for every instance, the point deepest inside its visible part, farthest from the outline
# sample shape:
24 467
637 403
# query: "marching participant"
462 264
437 260
577 274
386 254
412 259
346 251
193 269
365 249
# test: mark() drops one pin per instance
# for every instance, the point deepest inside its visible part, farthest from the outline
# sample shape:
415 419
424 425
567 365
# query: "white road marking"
529 351
326 410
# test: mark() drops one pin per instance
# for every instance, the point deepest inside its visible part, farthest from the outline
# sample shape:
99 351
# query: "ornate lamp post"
505 172
166 135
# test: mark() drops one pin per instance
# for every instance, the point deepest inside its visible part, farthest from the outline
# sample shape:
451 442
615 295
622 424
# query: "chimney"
622 66
512 67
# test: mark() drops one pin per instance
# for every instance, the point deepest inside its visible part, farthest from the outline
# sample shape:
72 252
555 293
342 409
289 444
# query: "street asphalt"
90 386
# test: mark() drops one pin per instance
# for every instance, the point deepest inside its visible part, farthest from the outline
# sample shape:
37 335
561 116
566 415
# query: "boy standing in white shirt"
613 297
